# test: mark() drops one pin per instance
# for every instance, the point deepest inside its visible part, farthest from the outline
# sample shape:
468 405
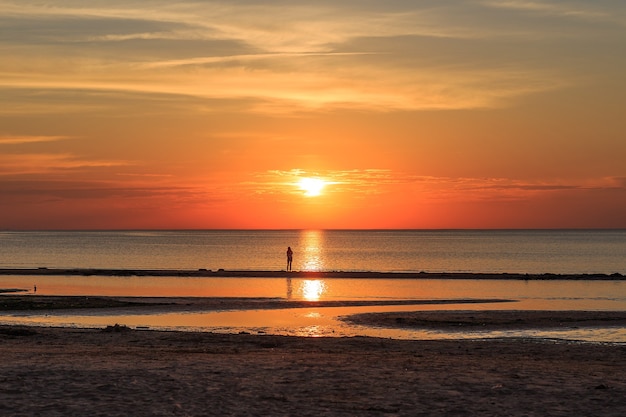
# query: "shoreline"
221 273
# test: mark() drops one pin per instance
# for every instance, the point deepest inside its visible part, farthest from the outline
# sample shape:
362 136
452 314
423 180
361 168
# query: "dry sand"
122 372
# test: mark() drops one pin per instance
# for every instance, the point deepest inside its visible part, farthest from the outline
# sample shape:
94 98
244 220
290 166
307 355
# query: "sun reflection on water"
312 331
311 243
312 290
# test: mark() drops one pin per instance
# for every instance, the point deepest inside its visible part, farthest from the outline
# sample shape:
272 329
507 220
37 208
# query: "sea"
473 251
479 251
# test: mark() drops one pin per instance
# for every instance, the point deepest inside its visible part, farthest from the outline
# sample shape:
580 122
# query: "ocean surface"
497 251
514 251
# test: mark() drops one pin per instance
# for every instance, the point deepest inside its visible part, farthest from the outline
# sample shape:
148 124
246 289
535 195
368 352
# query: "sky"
321 114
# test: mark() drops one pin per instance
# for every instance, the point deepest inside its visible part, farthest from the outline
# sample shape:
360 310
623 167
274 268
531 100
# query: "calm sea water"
570 251
523 251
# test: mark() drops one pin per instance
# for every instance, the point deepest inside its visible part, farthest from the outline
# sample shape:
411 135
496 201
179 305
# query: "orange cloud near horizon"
374 199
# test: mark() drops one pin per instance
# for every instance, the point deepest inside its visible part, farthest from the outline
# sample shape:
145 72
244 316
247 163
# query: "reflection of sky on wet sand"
309 322
531 295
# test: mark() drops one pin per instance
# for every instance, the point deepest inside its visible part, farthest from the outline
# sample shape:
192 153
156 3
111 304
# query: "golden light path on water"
309 289
311 242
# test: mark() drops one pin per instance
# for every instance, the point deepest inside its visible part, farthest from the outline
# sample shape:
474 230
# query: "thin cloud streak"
240 58
20 140
586 10
31 163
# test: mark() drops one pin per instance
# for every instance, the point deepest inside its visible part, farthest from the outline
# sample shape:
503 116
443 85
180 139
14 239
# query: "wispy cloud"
41 163
583 10
243 58
289 56
19 140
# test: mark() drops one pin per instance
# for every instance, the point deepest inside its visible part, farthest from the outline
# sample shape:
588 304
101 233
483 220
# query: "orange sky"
440 114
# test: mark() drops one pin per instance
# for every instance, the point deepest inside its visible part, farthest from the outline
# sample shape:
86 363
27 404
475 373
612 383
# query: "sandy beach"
117 371
112 372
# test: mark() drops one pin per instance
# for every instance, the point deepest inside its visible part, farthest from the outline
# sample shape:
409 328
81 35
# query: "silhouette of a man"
289 258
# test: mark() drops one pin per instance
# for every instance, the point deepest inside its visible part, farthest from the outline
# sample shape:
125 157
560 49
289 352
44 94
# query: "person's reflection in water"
289 289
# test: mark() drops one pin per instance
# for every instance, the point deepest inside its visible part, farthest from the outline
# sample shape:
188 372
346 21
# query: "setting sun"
312 187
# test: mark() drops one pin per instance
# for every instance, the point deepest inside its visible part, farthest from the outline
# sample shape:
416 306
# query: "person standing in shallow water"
289 258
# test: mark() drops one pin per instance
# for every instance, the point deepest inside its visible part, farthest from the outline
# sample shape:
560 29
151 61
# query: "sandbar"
221 273
490 320
11 302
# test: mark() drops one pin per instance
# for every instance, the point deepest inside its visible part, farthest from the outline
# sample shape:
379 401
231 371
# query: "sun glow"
312 187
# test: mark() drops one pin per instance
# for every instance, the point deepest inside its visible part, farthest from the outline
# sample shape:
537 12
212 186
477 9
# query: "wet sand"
121 371
490 320
197 304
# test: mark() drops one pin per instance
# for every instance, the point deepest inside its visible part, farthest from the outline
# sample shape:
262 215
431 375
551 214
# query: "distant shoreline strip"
221 273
